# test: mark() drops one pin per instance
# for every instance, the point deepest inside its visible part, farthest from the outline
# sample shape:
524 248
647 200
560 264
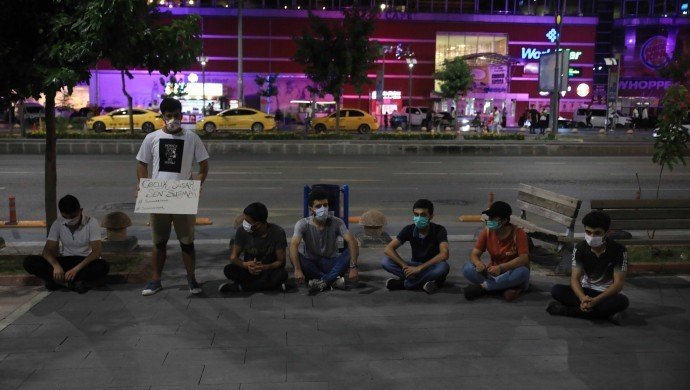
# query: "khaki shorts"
184 227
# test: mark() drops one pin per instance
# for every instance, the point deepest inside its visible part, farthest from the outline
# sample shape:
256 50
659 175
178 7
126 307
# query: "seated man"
263 247
508 271
428 266
319 261
80 260
597 278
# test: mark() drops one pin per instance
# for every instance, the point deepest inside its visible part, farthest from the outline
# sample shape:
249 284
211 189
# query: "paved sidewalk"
366 338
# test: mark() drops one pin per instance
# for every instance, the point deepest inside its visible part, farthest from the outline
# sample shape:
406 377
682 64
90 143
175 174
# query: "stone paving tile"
187 375
282 325
131 358
72 377
249 339
330 371
35 360
326 337
396 336
205 356
225 386
364 352
18 330
284 354
260 372
286 386
486 383
25 344
99 343
159 341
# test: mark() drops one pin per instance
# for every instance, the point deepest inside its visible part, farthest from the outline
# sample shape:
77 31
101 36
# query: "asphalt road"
457 185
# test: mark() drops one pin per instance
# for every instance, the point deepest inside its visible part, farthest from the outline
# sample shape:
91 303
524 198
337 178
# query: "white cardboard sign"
157 196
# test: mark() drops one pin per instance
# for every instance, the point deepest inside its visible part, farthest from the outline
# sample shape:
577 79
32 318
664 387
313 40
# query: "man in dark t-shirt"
599 268
262 246
533 119
428 266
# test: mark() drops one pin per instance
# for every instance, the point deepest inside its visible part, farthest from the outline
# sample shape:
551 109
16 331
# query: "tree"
360 24
672 140
270 90
143 41
50 44
455 78
337 54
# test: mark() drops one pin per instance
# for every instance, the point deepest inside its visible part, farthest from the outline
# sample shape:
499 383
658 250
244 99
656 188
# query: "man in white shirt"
80 260
171 152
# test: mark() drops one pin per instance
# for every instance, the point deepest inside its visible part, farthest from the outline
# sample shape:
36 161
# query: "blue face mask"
493 225
420 222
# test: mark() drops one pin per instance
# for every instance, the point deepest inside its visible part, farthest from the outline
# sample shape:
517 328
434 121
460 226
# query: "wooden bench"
555 207
646 215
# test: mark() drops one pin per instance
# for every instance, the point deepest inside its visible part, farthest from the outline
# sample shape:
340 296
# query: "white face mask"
247 226
321 213
593 241
173 125
72 222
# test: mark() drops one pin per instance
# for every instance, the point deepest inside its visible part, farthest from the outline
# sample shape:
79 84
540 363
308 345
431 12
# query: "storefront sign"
530 53
388 95
645 84
653 53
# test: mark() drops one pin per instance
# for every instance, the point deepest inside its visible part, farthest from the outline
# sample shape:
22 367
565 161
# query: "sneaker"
287 286
339 283
511 294
194 287
77 287
393 284
474 291
229 287
152 287
556 308
616 318
317 286
430 287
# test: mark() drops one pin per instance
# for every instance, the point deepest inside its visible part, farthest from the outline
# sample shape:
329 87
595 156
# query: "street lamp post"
203 60
611 90
411 62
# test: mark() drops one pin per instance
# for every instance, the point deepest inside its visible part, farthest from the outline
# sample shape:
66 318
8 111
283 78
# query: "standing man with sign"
171 152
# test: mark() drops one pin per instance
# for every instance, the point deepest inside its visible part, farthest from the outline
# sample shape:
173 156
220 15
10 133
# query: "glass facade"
451 45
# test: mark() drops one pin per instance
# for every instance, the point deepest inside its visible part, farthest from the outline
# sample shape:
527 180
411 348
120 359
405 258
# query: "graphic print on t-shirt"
170 151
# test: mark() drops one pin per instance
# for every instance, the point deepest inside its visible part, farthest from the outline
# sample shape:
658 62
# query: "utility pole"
240 89
556 94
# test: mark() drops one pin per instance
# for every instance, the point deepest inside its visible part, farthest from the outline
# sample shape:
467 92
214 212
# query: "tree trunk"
455 122
129 103
50 162
22 120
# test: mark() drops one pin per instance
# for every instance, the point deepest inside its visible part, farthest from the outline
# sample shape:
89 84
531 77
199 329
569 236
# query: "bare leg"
189 260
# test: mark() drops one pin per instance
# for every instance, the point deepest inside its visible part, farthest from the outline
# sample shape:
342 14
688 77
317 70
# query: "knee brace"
162 245
187 248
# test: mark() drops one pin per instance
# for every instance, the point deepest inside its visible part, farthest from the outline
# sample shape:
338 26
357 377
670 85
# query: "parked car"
33 112
64 111
599 117
237 119
351 119
145 120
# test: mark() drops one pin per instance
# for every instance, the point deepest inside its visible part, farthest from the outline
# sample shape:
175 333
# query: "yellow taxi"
237 119
145 120
351 119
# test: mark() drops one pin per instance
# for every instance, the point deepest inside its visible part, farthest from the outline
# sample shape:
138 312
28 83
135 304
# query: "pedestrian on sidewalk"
534 119
170 152
508 270
598 274
496 116
318 261
257 260
80 260
428 267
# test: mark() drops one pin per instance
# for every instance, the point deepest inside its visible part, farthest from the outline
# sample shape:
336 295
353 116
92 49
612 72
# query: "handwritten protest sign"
157 196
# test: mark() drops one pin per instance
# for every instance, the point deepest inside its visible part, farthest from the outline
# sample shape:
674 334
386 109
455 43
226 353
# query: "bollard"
490 200
13 211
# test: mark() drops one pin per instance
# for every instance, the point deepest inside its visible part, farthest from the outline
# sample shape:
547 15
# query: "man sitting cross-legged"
428 267
263 247
319 262
508 271
80 260
598 274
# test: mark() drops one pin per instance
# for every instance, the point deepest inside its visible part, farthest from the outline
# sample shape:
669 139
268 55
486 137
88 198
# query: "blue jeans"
515 278
326 269
436 272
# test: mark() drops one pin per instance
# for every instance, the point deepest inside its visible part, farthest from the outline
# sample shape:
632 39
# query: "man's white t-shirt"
172 155
77 243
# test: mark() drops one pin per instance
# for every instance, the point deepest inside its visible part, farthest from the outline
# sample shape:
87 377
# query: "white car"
599 118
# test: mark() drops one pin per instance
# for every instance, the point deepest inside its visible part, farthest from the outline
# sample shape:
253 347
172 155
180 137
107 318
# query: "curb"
350 148
658 268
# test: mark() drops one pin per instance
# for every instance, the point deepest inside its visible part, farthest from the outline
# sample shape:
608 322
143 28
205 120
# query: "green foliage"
360 24
270 81
270 135
671 143
455 78
494 137
329 135
414 135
